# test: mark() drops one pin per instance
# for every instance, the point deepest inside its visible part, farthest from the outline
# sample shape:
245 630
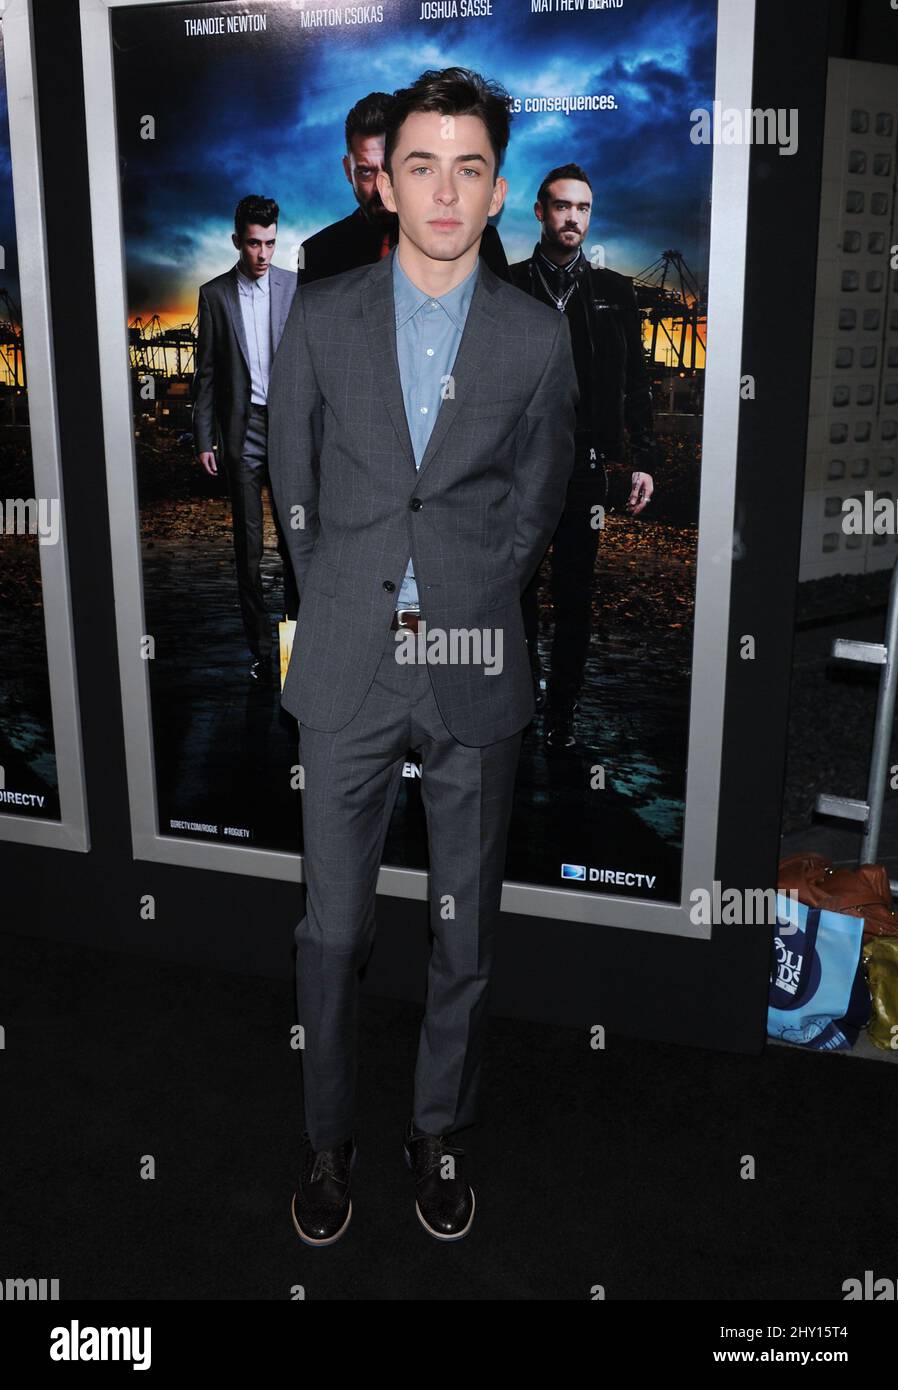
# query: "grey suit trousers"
245 479
351 782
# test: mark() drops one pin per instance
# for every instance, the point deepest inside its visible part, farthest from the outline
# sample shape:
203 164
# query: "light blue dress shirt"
428 332
255 306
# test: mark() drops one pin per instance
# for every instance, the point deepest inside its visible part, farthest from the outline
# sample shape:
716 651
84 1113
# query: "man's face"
442 186
565 218
362 166
256 248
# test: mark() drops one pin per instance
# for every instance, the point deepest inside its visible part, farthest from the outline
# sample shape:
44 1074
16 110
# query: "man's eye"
475 172
421 169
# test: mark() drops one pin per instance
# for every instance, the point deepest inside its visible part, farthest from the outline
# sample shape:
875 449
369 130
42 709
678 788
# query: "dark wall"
864 29
710 993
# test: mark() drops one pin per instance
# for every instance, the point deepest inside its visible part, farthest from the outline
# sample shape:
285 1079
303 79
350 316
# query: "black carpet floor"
620 1167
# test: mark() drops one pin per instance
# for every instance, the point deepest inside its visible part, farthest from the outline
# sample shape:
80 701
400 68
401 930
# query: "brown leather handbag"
861 892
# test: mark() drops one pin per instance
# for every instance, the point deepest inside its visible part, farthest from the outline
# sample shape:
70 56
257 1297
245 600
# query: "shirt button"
424 410
430 352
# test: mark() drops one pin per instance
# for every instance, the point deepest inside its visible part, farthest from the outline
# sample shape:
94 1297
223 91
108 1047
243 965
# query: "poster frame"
716 541
71 830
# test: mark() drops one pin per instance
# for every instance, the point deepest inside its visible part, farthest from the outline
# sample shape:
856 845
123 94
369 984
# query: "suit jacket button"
416 504
389 585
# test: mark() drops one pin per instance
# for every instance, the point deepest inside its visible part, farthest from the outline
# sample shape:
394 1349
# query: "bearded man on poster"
421 439
615 402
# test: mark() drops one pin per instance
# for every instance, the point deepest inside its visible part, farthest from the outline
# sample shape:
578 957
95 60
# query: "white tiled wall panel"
853 412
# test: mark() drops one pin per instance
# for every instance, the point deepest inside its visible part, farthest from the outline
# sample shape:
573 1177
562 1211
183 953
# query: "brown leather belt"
410 617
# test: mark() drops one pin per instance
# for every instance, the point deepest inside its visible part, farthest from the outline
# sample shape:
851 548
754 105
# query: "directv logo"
573 871
579 873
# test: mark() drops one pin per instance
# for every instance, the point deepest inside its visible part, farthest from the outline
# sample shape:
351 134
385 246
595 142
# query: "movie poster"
29 782
218 102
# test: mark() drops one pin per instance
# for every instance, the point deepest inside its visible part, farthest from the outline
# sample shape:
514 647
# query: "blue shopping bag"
819 997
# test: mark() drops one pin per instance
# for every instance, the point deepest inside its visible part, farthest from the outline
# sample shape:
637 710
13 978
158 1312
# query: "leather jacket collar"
557 277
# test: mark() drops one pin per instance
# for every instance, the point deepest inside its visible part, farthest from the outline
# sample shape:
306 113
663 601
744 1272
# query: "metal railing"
884 655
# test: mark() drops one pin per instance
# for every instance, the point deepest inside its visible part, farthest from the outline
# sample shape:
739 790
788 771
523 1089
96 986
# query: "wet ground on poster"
220 740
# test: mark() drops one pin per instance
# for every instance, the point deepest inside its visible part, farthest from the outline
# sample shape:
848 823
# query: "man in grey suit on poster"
421 438
241 317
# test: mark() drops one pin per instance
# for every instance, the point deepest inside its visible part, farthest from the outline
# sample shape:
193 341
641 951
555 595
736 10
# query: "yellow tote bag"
286 629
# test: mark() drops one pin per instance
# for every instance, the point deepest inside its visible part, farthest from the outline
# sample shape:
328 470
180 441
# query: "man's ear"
385 189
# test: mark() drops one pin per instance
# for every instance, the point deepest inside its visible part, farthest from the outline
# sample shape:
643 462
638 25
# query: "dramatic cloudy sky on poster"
9 280
263 113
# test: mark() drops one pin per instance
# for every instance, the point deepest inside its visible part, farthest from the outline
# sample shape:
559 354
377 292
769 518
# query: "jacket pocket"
508 407
322 577
502 591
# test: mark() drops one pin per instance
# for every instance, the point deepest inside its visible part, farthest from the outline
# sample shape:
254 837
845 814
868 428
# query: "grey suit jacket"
476 518
221 385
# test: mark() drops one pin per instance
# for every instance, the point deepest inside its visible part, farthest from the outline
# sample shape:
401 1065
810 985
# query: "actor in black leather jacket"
615 404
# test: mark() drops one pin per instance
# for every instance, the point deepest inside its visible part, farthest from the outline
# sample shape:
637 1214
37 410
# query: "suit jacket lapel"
279 305
274 307
379 311
232 298
380 319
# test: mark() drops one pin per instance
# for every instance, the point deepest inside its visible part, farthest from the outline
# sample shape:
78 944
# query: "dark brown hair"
452 92
564 171
262 211
367 117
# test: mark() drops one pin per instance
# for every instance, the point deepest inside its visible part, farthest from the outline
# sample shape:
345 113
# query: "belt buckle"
399 613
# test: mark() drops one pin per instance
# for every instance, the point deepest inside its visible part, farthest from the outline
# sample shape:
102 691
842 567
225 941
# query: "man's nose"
445 191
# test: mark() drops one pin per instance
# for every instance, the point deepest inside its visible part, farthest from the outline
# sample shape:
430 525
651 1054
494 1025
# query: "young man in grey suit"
241 318
421 439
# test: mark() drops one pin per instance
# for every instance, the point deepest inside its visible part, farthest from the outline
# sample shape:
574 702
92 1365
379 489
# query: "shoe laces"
325 1163
435 1150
